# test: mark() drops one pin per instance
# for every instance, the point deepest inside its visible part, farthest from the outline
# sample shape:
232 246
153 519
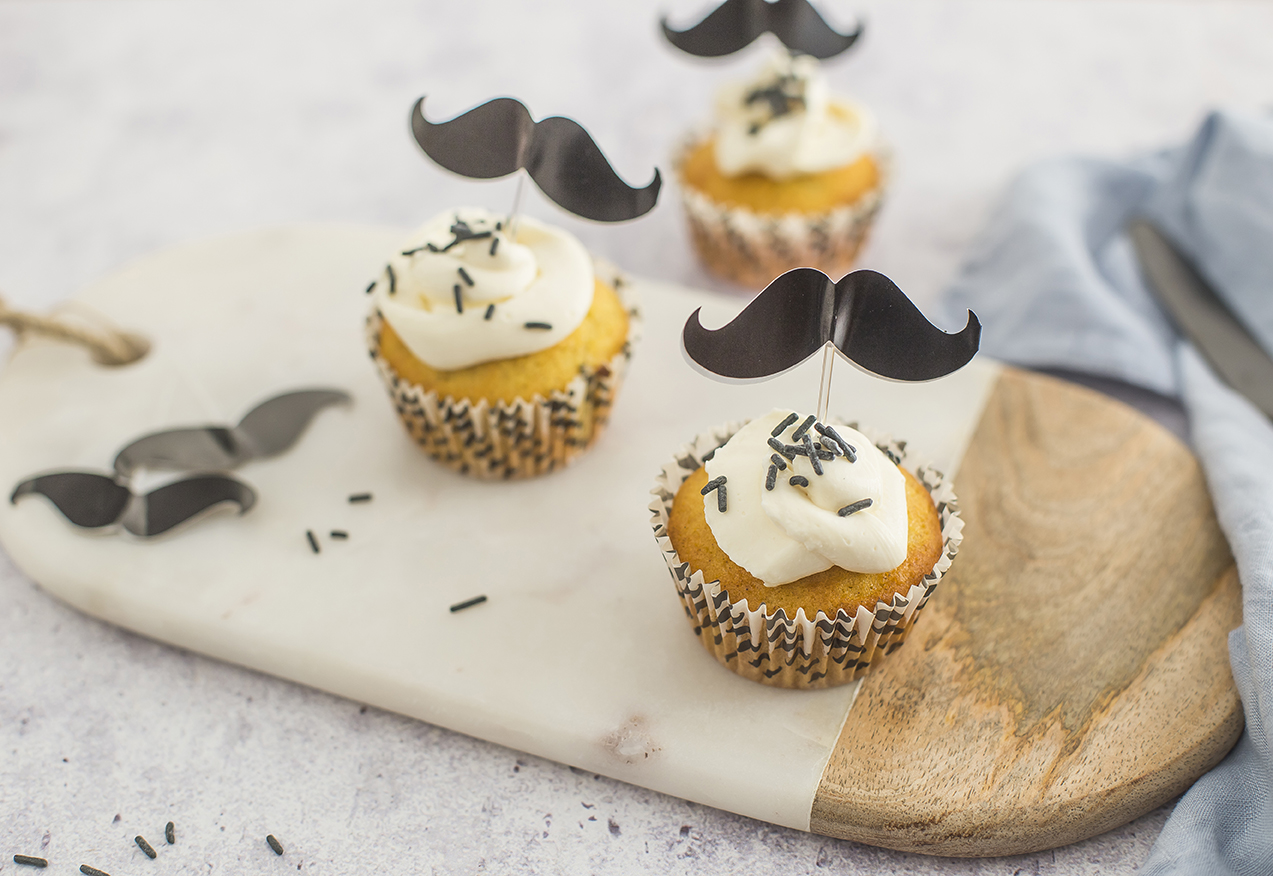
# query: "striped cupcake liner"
519 439
797 652
751 248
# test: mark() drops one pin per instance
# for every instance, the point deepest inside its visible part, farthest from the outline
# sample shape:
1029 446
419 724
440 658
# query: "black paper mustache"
865 315
94 500
735 24
499 137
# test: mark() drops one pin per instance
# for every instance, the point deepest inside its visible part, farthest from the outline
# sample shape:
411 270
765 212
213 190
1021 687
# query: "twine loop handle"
107 344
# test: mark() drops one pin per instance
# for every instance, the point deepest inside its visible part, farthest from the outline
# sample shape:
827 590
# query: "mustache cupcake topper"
500 137
865 316
735 24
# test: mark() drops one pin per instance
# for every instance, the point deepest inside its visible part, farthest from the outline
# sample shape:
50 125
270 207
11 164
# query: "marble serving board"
965 743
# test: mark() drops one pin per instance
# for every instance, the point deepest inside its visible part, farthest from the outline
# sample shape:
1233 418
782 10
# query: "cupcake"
502 349
803 552
789 177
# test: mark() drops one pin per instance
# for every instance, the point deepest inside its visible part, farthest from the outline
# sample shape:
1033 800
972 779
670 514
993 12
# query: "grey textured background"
128 126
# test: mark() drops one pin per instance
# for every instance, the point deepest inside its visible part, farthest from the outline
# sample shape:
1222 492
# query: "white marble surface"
125 127
582 654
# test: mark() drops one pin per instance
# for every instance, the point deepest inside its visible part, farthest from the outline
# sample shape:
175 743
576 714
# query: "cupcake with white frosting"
502 348
803 551
790 176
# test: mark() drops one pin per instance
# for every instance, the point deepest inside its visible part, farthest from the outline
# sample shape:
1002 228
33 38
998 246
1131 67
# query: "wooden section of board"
1071 672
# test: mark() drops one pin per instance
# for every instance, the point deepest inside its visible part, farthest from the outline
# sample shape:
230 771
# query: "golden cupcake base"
797 652
751 247
518 438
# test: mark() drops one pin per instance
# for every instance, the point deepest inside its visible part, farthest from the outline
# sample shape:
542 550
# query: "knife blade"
1201 316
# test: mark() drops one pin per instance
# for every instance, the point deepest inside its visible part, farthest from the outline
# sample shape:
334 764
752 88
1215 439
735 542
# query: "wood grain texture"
1071 672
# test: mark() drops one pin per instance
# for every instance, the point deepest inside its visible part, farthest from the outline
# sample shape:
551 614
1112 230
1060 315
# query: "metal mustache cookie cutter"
92 500
736 24
864 317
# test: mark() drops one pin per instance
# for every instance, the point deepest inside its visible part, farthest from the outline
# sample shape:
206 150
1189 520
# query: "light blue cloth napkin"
1055 283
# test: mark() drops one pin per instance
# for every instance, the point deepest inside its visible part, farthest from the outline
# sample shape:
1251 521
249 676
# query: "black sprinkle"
274 844
92 871
784 449
494 244
539 325
831 446
779 461
313 542
804 427
170 833
431 247
717 484
813 454
468 603
849 451
145 847
464 275
30 861
782 427
370 286
499 226
798 481
772 477
490 311
360 497
459 299
854 508
393 280
339 534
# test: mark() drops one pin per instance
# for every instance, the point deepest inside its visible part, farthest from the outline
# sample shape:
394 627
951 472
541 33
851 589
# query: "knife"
1201 316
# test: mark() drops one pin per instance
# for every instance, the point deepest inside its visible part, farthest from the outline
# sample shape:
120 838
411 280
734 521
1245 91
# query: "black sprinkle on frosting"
798 481
861 505
782 427
804 427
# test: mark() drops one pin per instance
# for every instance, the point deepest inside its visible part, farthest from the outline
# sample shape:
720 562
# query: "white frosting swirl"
508 291
784 534
785 124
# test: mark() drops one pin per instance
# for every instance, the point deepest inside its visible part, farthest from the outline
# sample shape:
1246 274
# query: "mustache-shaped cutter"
500 137
735 24
93 501
865 316
270 428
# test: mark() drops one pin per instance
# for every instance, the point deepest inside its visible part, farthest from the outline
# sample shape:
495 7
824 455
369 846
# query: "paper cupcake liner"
751 248
799 653
518 439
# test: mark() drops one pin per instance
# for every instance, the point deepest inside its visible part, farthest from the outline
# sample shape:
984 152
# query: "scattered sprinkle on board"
30 861
145 846
313 542
92 871
339 534
274 844
359 497
170 833
468 603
